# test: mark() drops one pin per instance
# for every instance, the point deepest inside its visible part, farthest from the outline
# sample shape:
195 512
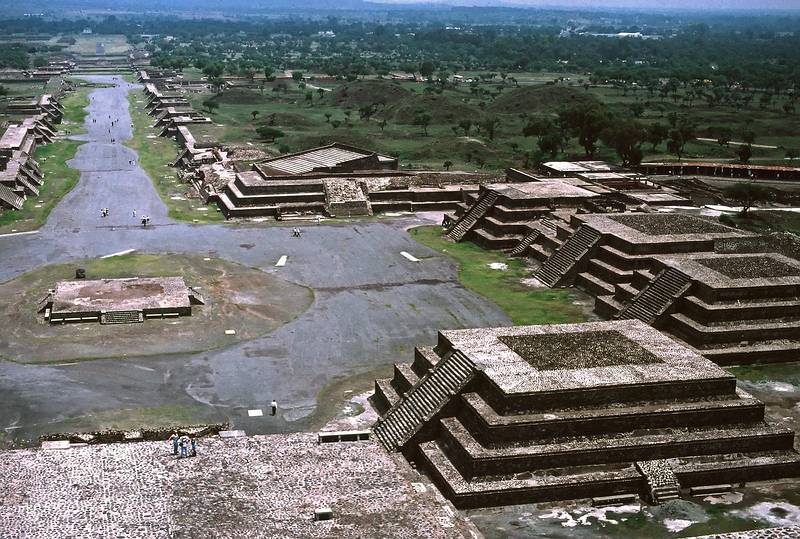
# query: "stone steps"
121 317
521 249
468 221
654 300
571 252
421 403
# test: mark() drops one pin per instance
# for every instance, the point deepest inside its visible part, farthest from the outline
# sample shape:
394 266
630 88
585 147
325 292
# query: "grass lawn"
155 154
525 305
767 221
59 180
75 110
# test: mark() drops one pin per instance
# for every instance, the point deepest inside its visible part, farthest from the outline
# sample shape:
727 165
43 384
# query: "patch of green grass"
75 108
783 372
767 221
524 305
59 180
136 418
155 155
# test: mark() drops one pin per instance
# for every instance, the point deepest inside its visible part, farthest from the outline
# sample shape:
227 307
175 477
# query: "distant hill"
367 92
442 108
539 99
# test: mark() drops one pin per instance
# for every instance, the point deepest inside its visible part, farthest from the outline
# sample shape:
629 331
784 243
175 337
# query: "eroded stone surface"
261 486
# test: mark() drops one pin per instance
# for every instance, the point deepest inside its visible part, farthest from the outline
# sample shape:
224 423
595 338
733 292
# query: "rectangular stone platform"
117 300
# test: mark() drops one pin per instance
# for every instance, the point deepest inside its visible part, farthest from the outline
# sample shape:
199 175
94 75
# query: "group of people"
296 233
183 446
145 219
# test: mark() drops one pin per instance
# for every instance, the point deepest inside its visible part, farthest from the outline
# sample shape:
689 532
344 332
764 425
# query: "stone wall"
147 434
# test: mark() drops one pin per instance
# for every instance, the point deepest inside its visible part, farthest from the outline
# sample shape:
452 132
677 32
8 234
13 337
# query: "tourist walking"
274 405
184 445
194 448
134 213
174 439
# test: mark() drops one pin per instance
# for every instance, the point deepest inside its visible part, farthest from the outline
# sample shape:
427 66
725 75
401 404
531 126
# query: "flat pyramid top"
527 359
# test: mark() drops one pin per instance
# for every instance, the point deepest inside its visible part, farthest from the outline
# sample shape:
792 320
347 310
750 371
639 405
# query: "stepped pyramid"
526 414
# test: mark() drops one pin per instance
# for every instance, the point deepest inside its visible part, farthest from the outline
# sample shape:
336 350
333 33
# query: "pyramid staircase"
567 256
468 221
525 243
424 400
121 317
661 480
655 298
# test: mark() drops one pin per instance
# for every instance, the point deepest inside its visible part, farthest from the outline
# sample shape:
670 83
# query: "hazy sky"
645 4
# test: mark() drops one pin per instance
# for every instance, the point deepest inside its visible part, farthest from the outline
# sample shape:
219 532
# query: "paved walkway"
371 304
262 486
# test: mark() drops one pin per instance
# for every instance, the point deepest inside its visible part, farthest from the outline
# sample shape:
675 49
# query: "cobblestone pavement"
260 486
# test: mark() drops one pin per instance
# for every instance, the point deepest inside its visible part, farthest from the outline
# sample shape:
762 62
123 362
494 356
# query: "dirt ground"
247 300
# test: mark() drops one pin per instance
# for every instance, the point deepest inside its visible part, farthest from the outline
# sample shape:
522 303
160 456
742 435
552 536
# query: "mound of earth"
242 96
540 99
367 92
246 300
284 119
442 109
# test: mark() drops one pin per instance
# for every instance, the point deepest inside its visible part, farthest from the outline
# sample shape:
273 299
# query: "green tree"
423 120
656 134
447 165
626 137
382 124
297 76
328 117
269 133
745 152
585 122
747 194
427 68
549 143
680 135
210 105
723 134
489 126
254 113
748 137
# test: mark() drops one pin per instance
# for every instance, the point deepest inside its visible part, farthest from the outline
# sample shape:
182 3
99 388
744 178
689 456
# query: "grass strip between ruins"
523 304
155 155
59 179
75 112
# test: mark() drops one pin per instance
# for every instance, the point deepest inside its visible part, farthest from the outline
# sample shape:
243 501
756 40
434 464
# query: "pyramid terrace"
526 414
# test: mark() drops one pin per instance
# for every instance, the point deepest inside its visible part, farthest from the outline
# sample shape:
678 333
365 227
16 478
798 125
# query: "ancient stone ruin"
119 301
526 414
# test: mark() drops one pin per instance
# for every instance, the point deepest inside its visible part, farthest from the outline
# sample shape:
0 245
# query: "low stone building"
509 415
119 301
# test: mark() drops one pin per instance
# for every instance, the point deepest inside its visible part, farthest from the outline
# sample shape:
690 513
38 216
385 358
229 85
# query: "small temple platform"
118 301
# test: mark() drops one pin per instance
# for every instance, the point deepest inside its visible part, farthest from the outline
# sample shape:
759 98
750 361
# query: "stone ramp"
522 247
468 221
556 268
655 299
426 398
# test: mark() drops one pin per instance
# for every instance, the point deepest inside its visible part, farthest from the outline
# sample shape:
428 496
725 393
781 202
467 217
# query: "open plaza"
341 378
